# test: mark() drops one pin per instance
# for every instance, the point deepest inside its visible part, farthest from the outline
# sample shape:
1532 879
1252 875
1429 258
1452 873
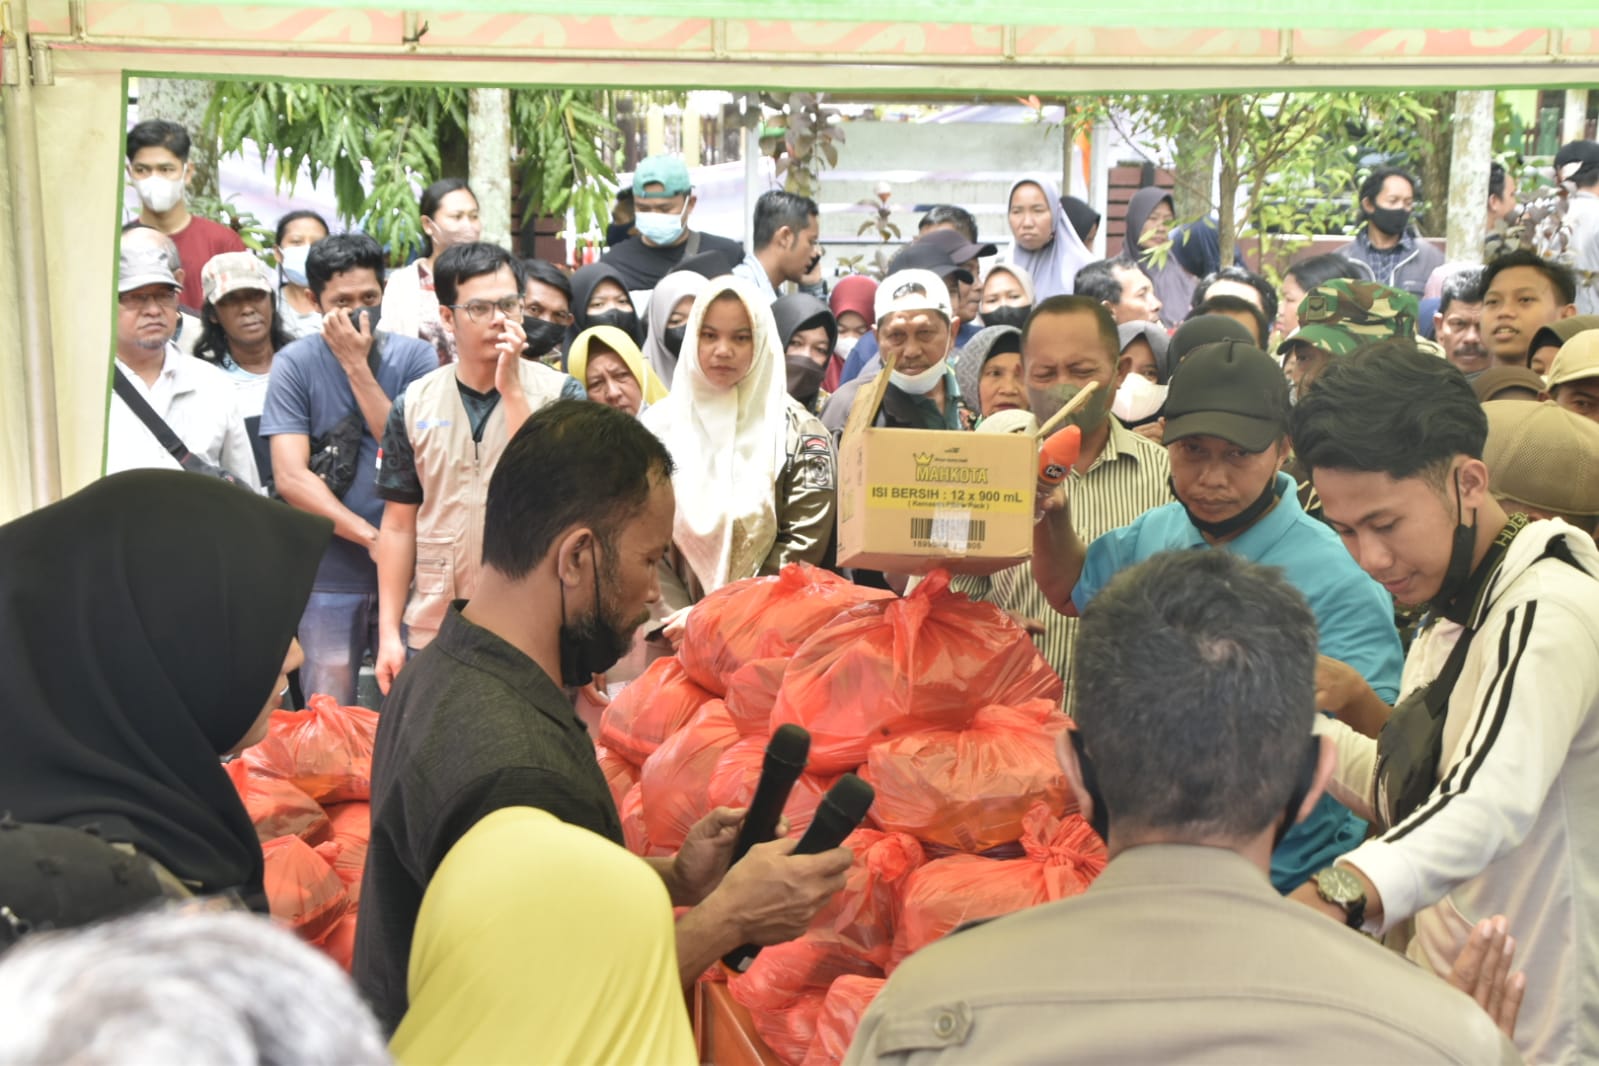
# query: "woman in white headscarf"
668 320
755 471
1045 241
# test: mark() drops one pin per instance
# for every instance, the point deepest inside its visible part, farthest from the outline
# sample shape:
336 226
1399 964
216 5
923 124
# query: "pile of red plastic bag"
943 705
308 789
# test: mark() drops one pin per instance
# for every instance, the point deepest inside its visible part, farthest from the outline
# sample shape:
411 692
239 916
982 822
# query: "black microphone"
786 753
841 810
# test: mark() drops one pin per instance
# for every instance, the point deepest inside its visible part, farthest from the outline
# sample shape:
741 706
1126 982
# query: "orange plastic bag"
892 667
620 774
339 944
860 920
277 807
650 709
752 693
841 1015
677 777
738 771
632 811
326 750
970 789
352 830
302 890
1063 858
763 618
784 990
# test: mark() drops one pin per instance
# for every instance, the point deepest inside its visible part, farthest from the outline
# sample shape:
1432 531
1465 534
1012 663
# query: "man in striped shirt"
1118 476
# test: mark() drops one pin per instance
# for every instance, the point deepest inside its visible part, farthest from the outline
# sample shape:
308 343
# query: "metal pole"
752 174
1470 157
33 290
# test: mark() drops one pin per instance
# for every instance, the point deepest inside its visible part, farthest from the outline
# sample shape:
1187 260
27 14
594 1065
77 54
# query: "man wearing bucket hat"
1543 461
1227 436
1340 316
1574 375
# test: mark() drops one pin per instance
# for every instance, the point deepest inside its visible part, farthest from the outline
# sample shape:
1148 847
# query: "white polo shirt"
199 402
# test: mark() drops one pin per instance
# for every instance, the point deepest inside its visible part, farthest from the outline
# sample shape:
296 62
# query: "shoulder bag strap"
157 425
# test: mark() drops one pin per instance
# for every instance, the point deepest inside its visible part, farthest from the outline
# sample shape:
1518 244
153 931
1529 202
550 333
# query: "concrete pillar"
1470 157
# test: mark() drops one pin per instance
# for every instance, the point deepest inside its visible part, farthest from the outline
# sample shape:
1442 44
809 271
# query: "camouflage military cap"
1344 315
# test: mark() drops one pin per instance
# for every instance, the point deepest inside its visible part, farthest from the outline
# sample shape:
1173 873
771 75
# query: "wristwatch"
1343 889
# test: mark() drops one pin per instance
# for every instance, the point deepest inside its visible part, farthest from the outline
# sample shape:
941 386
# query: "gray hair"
155 239
181 986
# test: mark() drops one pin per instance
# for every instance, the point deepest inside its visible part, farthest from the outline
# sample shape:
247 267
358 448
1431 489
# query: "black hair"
1389 408
213 342
1078 304
338 254
1239 642
294 216
1318 270
1221 304
1372 187
1496 179
573 463
1585 153
1098 279
778 208
548 273
428 205
1243 276
942 214
1560 276
159 133
1463 286
463 262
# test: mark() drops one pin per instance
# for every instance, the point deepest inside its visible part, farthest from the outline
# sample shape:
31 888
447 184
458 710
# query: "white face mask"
844 346
293 262
920 384
159 194
1138 398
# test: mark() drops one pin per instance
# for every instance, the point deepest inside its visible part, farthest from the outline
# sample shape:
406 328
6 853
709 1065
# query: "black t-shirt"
472 725
643 266
397 478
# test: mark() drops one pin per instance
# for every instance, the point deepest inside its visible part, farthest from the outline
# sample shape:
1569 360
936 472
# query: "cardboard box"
912 500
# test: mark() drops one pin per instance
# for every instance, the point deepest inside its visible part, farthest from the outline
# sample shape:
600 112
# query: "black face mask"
1007 316
617 232
1462 547
1391 220
804 377
592 644
542 337
1242 520
673 339
626 321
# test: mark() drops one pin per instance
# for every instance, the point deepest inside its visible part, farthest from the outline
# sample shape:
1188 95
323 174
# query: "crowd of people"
1295 510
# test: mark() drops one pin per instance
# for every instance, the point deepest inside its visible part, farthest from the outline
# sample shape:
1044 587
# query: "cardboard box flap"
863 412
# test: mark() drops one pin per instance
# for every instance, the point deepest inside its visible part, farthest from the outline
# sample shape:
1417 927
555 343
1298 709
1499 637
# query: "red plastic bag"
860 920
841 1015
650 709
763 618
784 990
677 777
302 890
620 774
892 667
970 789
752 693
339 944
277 807
352 830
326 750
738 771
1063 858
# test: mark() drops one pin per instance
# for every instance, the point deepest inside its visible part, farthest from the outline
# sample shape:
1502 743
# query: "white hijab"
728 445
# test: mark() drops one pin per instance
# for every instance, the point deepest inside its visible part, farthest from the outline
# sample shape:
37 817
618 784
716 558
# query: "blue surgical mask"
659 229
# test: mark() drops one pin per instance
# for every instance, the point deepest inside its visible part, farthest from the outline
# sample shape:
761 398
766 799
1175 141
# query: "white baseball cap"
912 290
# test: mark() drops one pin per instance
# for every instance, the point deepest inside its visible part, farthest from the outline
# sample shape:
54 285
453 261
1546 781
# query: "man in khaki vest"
443 439
1196 697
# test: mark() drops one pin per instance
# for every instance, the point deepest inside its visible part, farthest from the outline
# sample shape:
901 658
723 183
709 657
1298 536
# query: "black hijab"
1139 208
584 281
799 311
143 621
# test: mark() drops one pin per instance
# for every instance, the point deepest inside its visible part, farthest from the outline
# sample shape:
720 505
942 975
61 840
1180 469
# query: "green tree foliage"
381 144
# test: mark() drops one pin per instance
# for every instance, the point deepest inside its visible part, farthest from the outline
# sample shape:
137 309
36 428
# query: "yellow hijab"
540 942
577 360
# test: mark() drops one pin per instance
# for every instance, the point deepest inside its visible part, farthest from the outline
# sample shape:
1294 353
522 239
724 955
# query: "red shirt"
197 243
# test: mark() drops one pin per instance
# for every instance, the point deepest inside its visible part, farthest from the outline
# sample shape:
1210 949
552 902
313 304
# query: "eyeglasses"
483 310
166 299
537 310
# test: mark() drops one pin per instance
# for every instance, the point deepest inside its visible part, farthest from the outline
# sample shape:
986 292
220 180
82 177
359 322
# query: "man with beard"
579 514
1458 322
1227 437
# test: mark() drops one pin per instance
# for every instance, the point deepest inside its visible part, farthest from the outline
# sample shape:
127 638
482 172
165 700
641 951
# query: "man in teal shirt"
1227 436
